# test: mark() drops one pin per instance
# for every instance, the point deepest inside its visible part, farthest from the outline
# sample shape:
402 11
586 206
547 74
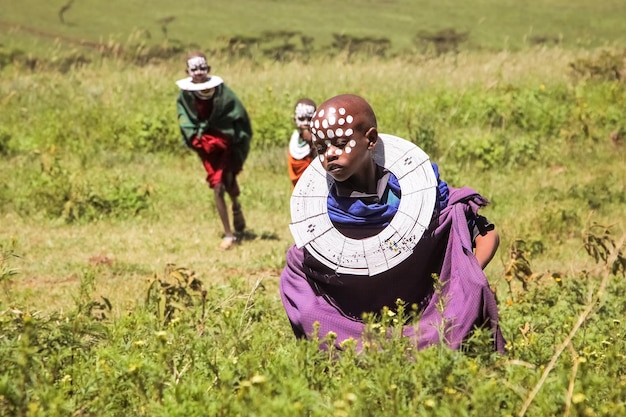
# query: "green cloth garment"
229 117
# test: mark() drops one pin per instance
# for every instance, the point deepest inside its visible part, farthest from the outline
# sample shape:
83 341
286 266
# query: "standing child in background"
301 150
374 224
215 124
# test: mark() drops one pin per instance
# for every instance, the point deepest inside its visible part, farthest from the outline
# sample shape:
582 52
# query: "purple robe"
314 293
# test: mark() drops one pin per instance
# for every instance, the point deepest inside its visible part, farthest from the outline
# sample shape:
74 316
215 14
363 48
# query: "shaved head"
343 116
362 114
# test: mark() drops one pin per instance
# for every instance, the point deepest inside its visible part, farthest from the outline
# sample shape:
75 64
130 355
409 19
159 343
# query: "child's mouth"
333 168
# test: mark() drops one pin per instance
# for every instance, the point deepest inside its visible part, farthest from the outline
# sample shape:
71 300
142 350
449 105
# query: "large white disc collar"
312 228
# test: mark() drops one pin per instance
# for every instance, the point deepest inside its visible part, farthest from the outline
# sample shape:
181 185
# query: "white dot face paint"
331 121
320 134
339 132
321 113
325 123
330 134
349 118
352 143
349 132
338 152
332 110
342 111
317 124
348 149
341 121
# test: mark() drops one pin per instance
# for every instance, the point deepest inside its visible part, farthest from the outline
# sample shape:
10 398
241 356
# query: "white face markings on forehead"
197 61
333 117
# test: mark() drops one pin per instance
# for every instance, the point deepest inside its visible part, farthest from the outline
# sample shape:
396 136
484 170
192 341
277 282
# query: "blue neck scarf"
352 211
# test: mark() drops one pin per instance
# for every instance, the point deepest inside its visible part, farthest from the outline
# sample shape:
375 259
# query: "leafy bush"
62 193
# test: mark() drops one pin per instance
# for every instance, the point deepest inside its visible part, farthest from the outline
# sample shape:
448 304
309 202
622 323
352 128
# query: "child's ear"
372 137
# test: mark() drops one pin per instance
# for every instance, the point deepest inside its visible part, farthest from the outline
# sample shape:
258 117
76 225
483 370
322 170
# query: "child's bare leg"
220 204
239 221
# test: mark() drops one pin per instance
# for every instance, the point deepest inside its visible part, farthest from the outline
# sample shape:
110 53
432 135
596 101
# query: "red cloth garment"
215 153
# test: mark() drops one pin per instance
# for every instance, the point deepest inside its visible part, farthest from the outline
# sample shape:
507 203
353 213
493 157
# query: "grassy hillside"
491 24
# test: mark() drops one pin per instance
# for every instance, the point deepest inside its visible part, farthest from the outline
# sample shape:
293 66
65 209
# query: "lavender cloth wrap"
312 293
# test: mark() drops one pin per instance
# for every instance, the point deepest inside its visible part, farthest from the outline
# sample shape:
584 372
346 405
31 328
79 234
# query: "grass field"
491 24
100 204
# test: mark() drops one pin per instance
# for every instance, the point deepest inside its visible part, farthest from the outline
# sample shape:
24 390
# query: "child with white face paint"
344 134
341 270
300 152
214 123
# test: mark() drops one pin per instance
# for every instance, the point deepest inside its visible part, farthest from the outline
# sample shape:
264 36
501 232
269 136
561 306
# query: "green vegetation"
490 24
114 300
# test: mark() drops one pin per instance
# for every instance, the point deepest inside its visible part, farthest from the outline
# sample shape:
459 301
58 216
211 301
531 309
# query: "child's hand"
306 135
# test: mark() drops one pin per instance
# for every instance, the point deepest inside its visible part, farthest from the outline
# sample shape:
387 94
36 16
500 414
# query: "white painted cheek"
352 143
342 111
338 152
349 132
349 118
348 149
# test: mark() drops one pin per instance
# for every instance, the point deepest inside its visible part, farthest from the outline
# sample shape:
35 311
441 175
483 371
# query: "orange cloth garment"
296 167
